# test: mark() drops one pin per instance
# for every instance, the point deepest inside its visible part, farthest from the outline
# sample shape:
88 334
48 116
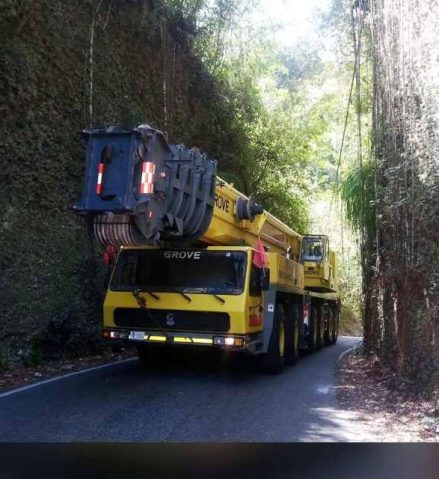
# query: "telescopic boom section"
239 220
140 190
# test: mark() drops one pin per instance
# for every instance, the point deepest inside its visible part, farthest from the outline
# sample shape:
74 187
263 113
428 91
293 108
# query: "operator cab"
319 264
314 248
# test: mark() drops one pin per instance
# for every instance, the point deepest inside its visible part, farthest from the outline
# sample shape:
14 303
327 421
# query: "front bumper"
222 341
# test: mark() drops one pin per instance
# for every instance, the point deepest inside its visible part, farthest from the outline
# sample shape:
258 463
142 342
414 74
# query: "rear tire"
273 360
312 330
320 328
336 323
292 335
329 333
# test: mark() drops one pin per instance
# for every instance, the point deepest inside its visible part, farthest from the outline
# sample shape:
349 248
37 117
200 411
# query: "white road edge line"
58 378
343 354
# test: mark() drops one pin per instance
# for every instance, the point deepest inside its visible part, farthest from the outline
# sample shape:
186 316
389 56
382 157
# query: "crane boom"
229 226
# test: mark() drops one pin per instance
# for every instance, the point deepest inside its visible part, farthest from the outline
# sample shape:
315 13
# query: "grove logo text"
182 254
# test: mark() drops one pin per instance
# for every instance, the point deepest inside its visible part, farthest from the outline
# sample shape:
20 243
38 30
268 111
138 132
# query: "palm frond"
357 192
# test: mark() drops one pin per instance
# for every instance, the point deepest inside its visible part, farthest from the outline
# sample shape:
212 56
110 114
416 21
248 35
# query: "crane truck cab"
205 296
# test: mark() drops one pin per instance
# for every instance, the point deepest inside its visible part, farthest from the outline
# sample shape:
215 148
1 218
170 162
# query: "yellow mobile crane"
199 263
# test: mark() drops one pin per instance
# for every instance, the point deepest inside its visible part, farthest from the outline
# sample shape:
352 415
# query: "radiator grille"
172 319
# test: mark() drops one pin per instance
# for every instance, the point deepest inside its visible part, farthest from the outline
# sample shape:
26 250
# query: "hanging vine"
402 268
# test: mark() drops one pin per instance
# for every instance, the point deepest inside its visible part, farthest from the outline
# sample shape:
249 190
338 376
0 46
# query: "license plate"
137 335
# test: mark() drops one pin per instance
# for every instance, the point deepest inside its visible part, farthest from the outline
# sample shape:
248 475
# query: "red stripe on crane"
147 179
100 176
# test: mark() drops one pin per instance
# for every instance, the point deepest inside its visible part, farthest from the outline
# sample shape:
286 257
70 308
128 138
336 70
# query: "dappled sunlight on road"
333 425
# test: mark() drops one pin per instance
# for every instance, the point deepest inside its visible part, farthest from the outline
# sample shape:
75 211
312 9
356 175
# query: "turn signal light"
228 341
115 334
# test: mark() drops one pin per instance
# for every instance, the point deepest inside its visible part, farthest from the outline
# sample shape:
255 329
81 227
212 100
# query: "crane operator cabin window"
312 249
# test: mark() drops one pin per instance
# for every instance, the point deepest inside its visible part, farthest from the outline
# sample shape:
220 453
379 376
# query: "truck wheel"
320 328
336 323
329 333
273 359
312 330
292 335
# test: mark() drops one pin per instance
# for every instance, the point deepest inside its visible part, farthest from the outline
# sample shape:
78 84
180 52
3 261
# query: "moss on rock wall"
66 66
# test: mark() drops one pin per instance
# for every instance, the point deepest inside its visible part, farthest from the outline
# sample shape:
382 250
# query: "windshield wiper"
137 296
140 300
154 295
221 300
205 291
185 296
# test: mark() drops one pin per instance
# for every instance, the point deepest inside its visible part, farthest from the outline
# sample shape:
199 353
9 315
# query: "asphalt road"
193 399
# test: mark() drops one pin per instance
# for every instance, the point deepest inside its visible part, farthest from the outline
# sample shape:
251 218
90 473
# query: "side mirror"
259 280
265 279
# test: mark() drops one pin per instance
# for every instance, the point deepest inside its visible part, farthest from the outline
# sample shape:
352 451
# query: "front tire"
292 335
274 358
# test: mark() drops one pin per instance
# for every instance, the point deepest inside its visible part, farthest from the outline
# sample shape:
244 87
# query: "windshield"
312 249
214 272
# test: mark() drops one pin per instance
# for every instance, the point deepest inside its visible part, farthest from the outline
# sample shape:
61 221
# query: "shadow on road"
199 363
186 395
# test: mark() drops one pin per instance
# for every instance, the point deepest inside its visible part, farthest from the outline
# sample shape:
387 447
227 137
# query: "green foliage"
51 274
277 168
357 191
300 65
192 68
358 194
4 363
328 216
33 357
349 324
278 112
392 202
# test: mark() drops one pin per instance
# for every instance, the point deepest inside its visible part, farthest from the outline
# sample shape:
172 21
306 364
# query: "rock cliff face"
66 66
